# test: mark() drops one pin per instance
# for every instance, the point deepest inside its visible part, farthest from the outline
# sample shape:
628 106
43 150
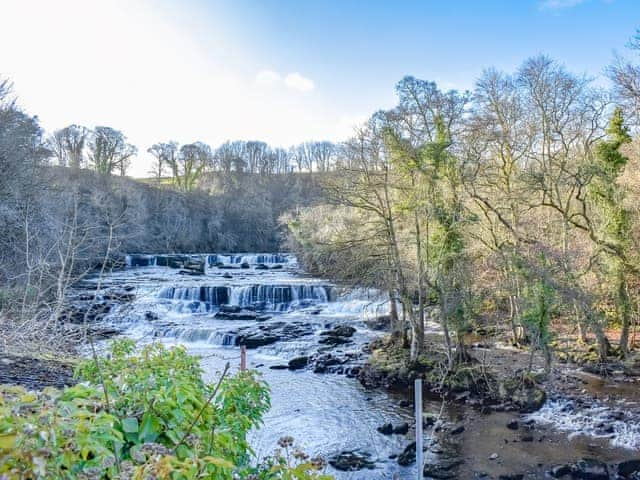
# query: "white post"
419 440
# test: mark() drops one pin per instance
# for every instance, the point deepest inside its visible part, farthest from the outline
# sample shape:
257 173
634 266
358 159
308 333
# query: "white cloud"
295 81
559 4
268 78
292 81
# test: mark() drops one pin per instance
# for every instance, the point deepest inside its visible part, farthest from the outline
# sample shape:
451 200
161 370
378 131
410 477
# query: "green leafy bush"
146 415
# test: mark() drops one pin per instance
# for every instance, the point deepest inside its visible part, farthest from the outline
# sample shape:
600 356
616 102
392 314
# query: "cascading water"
266 297
278 298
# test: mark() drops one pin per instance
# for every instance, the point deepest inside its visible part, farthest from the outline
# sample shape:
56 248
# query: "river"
282 314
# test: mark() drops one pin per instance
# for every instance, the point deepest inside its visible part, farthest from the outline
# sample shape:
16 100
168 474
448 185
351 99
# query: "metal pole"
419 439
243 358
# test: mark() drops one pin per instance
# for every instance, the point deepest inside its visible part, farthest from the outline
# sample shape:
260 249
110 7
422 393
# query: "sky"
281 71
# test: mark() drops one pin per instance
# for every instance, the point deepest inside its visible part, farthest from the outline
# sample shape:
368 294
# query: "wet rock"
590 469
256 340
119 296
298 363
513 476
227 275
268 333
628 468
401 429
340 331
513 425
560 471
261 266
408 455
334 341
241 315
150 316
350 461
324 363
442 469
386 429
381 322
193 273
77 313
230 308
245 265
404 403
103 332
339 335
279 367
457 430
277 267
526 438
34 373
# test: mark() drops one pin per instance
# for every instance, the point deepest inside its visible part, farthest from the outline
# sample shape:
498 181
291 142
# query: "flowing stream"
212 303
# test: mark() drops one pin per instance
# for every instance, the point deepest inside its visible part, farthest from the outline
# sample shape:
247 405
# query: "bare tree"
164 155
68 145
109 151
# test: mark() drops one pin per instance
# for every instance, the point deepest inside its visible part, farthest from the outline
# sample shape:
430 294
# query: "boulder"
408 455
401 429
324 363
457 430
334 341
298 363
628 468
381 322
590 469
256 340
442 469
526 396
559 471
340 331
386 429
350 461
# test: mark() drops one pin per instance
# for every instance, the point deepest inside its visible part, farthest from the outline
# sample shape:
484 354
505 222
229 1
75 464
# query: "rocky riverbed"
314 343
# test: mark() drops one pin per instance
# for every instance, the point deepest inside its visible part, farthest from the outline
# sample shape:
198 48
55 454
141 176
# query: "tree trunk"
624 312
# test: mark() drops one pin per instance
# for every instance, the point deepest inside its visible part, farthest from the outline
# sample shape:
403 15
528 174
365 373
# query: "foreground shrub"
146 415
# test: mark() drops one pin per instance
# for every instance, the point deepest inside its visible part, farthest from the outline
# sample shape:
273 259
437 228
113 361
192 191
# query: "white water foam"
595 420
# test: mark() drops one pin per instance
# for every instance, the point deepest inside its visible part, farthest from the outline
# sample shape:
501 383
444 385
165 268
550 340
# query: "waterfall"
252 259
200 299
278 298
140 260
179 260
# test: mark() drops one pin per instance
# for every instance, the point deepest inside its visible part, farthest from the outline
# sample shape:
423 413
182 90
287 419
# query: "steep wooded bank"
512 209
60 222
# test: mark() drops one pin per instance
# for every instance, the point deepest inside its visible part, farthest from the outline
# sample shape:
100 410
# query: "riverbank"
565 423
